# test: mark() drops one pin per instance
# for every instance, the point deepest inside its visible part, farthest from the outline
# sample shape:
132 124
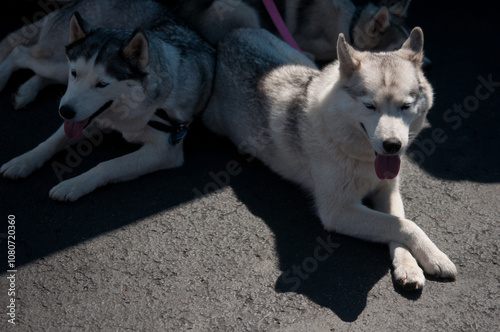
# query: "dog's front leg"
354 219
406 272
28 91
149 158
25 164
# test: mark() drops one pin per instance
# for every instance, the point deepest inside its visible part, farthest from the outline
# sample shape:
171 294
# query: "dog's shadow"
332 270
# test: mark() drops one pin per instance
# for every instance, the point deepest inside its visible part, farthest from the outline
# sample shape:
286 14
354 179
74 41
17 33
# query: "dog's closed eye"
101 84
405 106
370 106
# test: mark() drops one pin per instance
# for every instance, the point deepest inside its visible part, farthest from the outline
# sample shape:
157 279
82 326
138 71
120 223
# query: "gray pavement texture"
249 254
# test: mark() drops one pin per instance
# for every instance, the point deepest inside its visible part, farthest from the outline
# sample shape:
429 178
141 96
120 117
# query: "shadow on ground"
332 270
463 141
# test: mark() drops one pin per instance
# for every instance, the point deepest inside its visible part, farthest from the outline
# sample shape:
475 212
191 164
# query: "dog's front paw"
71 190
439 265
23 97
19 167
409 277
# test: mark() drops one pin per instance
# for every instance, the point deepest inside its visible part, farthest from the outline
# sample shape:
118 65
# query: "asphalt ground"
224 244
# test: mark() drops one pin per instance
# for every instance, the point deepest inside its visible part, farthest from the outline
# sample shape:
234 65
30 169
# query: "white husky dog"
339 133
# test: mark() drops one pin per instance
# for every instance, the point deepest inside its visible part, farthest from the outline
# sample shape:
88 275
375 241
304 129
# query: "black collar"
175 128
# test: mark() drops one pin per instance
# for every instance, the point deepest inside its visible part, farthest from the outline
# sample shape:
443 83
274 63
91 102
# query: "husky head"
381 28
387 95
106 68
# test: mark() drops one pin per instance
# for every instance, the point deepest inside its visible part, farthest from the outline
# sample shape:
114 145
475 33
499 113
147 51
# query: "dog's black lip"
363 126
99 111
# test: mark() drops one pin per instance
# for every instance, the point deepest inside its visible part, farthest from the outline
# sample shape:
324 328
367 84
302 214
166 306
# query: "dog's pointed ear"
137 49
413 47
349 60
380 21
397 7
78 28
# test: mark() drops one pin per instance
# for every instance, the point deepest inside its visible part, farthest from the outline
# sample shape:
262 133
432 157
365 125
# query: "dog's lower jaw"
74 129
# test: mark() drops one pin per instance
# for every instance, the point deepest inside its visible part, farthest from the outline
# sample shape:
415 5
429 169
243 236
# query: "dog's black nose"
392 145
67 112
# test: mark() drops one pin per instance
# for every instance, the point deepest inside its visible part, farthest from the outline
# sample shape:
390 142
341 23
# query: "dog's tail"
27 36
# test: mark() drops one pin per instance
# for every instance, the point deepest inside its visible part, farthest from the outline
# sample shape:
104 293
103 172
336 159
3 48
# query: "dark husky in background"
146 84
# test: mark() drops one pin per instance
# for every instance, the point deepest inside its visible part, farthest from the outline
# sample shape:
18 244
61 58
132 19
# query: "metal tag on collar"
179 134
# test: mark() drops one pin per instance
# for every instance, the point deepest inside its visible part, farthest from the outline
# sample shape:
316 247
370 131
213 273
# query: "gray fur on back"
243 80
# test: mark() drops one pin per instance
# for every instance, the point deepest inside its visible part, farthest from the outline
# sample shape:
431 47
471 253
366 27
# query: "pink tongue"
74 129
387 167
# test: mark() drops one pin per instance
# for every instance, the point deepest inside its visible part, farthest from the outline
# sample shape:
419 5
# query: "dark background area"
461 42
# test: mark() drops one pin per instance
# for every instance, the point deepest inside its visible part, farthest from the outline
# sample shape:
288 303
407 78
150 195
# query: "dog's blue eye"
73 73
370 107
101 85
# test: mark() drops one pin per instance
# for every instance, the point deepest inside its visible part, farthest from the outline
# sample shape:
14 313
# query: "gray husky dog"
338 132
315 25
40 46
146 84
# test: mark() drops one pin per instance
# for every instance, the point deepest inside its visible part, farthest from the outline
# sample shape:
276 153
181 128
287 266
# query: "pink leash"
280 25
